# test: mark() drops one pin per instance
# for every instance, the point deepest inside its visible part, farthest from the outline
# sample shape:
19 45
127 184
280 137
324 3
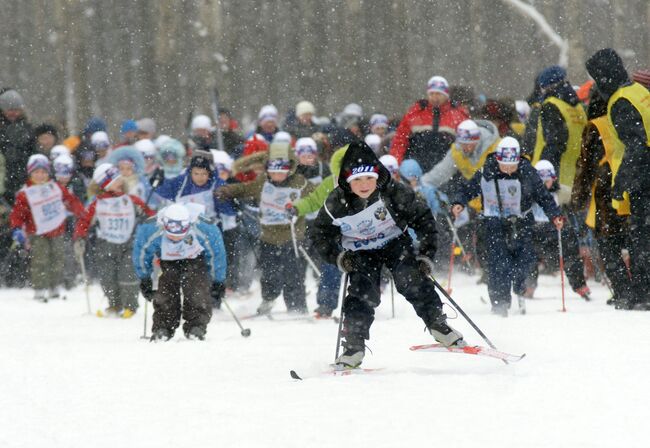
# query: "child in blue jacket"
193 261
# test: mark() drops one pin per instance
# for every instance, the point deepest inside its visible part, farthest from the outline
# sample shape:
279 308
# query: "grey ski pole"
82 265
245 332
392 295
342 295
309 260
146 311
292 222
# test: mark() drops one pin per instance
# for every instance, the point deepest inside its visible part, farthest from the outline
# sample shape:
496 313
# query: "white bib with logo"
46 204
510 190
273 204
228 222
204 198
369 229
538 211
187 248
116 217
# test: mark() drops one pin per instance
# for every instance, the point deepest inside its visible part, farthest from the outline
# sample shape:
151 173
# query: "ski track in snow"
71 380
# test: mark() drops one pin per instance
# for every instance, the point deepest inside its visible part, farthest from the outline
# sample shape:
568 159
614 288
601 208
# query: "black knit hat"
46 128
608 71
201 161
359 159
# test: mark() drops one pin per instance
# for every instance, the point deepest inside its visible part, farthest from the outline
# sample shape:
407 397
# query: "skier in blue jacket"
509 186
193 261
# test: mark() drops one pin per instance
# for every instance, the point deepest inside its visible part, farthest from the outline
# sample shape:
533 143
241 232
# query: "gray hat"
11 100
146 125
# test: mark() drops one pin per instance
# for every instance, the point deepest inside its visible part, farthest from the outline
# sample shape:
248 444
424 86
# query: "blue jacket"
532 188
170 188
411 168
147 242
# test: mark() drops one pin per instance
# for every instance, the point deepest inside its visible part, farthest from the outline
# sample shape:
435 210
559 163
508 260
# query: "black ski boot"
445 334
196 333
161 334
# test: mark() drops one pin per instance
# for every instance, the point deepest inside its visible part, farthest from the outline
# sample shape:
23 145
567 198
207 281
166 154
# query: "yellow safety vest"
575 119
467 169
614 149
639 97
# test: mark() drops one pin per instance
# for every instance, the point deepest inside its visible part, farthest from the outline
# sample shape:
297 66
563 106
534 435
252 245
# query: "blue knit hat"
128 126
94 124
551 75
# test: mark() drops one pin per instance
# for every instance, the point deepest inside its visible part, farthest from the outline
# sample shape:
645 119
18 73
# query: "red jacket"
86 220
21 214
420 118
252 146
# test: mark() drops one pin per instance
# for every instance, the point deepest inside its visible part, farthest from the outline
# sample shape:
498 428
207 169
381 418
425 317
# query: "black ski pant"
232 242
283 273
640 245
364 294
191 278
610 248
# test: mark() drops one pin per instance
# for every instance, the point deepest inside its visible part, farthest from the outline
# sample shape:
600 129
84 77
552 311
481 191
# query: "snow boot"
111 311
584 292
500 309
265 307
128 313
39 294
350 359
161 334
323 312
445 334
642 306
54 293
196 333
521 301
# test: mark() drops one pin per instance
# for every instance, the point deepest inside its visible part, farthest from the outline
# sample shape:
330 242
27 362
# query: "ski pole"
82 265
461 312
392 295
459 243
344 287
559 244
451 266
293 235
144 331
245 332
309 260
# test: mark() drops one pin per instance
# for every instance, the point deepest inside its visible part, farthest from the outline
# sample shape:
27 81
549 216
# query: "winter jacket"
148 241
403 204
410 169
17 143
276 234
180 187
419 118
89 217
448 167
561 121
21 214
526 177
315 200
628 109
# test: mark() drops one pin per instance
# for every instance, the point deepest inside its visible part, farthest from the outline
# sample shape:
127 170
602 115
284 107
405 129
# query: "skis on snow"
336 371
470 350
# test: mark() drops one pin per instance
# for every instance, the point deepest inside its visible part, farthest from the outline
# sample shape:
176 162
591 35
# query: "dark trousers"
283 273
116 274
232 243
640 245
364 294
610 251
191 278
510 259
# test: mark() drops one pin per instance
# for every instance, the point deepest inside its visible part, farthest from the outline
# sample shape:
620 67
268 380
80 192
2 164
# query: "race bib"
228 222
273 204
204 198
46 204
510 192
538 211
187 248
116 218
369 229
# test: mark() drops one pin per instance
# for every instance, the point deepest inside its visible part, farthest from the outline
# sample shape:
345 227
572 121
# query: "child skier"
283 270
193 262
40 213
361 227
509 186
116 214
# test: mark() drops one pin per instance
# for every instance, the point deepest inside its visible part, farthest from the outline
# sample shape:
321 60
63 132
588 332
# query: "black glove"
425 265
146 288
157 178
291 210
217 291
346 261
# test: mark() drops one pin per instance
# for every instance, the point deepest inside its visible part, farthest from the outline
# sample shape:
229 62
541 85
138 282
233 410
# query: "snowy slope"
72 380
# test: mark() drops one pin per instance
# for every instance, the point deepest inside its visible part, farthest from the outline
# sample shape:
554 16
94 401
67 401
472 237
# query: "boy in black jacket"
362 227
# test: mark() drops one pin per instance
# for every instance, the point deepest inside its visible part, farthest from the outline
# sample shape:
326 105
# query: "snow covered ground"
68 379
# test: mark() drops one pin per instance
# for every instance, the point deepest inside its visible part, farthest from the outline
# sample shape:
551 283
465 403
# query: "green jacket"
315 200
